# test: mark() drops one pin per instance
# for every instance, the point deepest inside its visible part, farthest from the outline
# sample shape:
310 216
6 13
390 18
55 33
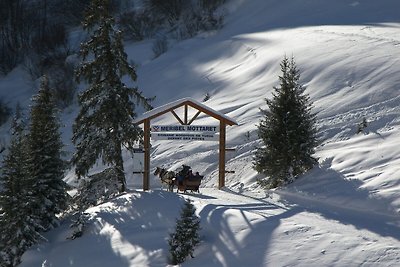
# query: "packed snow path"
251 231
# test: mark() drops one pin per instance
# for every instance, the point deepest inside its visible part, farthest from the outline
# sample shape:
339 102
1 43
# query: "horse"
167 177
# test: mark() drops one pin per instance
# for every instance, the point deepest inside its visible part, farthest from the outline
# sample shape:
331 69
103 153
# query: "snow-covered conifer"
287 130
104 122
97 188
186 236
18 226
45 164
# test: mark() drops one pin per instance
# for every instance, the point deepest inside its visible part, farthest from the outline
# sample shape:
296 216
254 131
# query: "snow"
342 213
237 230
178 103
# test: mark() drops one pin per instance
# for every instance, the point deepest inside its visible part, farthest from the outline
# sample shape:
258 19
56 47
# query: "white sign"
184 128
184 136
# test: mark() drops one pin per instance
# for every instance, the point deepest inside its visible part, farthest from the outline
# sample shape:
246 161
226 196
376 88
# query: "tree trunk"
119 165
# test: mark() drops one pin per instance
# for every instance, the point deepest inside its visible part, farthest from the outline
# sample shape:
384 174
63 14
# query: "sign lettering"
184 128
184 136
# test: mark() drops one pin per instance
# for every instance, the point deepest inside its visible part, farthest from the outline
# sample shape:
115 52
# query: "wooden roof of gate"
184 102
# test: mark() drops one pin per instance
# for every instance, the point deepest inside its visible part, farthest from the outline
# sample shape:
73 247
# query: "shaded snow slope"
128 231
236 230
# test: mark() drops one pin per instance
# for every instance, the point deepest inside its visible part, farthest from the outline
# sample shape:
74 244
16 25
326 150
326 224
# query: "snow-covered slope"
348 54
342 213
237 230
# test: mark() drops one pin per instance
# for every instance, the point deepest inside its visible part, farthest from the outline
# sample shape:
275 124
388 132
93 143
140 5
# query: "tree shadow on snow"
144 223
324 192
223 247
130 230
329 193
197 195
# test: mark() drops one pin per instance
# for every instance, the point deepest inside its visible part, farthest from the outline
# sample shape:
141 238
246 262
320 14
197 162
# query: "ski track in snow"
386 111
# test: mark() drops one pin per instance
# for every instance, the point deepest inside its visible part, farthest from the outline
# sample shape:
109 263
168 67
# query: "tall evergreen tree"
45 164
104 122
18 226
287 130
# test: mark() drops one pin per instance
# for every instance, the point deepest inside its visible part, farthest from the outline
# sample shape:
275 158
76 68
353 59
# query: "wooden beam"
146 173
196 105
177 117
186 115
194 117
210 113
222 141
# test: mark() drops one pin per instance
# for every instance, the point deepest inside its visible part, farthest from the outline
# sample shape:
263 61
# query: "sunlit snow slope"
348 53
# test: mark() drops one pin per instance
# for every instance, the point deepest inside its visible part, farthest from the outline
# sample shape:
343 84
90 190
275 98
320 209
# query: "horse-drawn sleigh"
184 179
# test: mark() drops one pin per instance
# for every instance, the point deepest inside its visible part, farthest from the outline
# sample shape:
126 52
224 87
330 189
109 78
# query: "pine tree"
287 130
104 122
18 226
45 164
186 236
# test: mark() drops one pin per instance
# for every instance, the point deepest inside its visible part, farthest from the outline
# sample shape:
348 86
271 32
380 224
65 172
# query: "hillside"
350 68
342 213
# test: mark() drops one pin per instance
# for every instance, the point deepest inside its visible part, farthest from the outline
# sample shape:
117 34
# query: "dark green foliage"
160 46
362 126
179 19
5 112
59 72
287 130
28 27
96 189
18 225
211 5
138 25
45 164
30 31
104 122
186 236
15 32
171 9
33 192
62 83
207 97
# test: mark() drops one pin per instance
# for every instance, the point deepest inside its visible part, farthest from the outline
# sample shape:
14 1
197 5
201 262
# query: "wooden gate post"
222 141
146 173
170 108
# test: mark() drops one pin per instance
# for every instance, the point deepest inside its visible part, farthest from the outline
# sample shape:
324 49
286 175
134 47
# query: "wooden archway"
171 107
